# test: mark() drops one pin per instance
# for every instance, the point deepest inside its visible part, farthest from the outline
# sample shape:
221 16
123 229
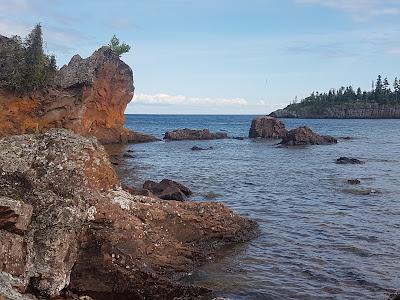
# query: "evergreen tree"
117 47
386 84
379 84
24 65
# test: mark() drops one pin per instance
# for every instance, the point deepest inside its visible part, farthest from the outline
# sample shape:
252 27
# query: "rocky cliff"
89 97
68 229
359 110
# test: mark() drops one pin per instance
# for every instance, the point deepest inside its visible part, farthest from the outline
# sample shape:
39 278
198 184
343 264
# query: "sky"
223 56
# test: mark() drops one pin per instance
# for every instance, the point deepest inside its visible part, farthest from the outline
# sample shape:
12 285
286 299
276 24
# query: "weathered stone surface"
349 160
194 134
56 173
267 127
305 136
15 216
148 241
90 98
91 237
12 288
12 253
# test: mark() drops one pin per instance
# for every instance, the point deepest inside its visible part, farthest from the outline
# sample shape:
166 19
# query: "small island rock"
267 127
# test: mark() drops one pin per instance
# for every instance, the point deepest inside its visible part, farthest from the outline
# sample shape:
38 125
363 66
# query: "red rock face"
90 98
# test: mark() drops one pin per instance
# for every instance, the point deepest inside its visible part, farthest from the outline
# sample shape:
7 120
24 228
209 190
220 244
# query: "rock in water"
349 160
168 189
89 98
193 134
196 148
305 136
88 235
268 128
353 181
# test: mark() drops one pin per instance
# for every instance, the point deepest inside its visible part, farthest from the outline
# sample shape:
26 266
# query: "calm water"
319 240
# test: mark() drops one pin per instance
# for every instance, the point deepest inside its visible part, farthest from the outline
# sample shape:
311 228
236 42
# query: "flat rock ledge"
69 230
194 134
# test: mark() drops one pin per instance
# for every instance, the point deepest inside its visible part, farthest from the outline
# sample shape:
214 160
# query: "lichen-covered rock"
89 236
268 128
90 98
56 173
194 134
305 136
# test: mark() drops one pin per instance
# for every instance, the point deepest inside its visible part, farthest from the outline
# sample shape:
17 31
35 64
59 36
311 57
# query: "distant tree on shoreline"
381 93
117 47
24 65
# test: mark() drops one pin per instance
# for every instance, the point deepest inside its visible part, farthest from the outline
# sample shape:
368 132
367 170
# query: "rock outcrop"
358 110
193 134
168 189
68 228
90 97
305 136
268 128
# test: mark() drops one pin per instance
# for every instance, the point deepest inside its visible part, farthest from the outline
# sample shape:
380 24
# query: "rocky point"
89 97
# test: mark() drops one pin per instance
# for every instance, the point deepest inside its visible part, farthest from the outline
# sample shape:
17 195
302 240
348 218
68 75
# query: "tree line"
25 67
381 93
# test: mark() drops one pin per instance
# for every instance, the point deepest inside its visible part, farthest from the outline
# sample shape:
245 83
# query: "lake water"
320 239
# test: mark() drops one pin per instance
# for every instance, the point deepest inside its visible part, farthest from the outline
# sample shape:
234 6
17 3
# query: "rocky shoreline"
71 230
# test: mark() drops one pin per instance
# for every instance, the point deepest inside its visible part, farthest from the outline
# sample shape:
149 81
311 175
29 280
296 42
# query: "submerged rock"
88 235
194 134
196 148
267 127
168 189
353 181
349 160
305 136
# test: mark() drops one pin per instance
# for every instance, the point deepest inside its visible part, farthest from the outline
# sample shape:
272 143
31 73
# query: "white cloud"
394 51
360 10
166 99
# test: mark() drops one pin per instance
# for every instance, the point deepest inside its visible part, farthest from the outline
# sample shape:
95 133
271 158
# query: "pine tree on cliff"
117 47
34 57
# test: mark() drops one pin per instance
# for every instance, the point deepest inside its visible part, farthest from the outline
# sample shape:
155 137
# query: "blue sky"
220 56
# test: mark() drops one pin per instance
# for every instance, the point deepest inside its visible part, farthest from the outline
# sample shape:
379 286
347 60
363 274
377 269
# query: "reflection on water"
320 236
